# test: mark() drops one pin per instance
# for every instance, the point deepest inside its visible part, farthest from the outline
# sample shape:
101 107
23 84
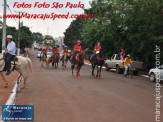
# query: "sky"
55 27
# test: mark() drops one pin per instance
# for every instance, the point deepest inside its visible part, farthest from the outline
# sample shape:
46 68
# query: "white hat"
9 36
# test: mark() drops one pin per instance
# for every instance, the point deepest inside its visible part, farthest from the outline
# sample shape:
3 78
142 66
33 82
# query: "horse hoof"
22 88
6 86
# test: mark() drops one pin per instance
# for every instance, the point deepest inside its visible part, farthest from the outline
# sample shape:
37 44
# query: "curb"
13 96
146 76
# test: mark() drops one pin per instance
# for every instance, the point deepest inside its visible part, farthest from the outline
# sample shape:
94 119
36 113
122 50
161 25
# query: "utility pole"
18 53
19 30
4 27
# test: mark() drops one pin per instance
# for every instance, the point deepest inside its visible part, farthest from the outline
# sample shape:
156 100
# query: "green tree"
48 37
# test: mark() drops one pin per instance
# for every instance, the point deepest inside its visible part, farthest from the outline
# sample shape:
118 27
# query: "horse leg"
18 78
47 64
100 71
42 64
24 83
4 79
72 67
93 67
79 67
97 72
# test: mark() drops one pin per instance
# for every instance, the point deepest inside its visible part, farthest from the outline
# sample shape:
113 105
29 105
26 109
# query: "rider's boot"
8 72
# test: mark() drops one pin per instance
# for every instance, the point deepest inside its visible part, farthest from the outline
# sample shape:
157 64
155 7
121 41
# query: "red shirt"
43 50
123 51
65 51
97 48
54 50
77 47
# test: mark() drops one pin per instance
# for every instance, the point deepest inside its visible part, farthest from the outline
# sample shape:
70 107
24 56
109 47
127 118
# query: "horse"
98 61
21 67
64 60
79 62
43 59
54 58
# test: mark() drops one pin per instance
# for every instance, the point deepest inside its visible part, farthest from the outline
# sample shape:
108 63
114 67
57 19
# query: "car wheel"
106 67
152 77
118 69
135 72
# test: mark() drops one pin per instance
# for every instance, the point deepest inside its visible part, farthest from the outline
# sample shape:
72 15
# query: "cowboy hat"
128 55
78 41
9 37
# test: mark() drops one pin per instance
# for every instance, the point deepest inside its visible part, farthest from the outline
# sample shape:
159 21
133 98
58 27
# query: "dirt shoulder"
5 92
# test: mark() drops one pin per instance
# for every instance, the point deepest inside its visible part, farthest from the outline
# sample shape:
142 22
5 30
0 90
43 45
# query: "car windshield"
39 52
49 53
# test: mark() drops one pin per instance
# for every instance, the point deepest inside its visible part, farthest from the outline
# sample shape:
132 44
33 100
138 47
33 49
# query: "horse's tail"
29 64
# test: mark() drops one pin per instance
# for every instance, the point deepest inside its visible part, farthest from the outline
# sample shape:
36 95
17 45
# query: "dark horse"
55 59
98 61
79 61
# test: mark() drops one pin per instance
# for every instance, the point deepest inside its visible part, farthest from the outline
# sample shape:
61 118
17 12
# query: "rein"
99 59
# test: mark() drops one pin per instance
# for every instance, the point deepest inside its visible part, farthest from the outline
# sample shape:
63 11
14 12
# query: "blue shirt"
11 48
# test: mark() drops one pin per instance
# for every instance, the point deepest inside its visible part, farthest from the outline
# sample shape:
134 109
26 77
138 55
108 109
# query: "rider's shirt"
54 50
65 51
11 48
97 48
43 50
127 61
77 47
123 52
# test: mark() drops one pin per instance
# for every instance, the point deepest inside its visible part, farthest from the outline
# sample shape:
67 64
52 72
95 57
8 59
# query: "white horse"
21 67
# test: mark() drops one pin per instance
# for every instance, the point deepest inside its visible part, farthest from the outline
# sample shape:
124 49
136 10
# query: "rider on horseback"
65 51
97 49
77 49
10 55
54 50
44 50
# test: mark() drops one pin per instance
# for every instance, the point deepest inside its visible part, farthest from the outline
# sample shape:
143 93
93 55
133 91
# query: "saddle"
15 62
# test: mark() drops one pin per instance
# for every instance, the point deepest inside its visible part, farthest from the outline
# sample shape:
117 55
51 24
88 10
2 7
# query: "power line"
11 13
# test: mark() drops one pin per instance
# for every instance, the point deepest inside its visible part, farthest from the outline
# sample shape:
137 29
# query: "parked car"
153 73
38 54
116 63
48 54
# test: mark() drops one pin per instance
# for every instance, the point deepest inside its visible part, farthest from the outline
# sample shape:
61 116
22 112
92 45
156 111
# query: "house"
49 41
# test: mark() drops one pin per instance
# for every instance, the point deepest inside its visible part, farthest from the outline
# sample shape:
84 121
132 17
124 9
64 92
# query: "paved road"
58 96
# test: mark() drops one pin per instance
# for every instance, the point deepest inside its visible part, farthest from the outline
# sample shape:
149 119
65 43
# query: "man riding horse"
54 50
10 55
97 59
77 49
78 58
64 58
97 49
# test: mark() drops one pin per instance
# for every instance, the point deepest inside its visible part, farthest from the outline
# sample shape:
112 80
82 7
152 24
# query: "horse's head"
101 55
82 55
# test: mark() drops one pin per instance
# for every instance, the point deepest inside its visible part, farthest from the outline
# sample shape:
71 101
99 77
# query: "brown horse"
79 61
54 59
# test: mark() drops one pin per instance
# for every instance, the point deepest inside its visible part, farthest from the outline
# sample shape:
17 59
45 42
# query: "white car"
153 72
38 54
48 54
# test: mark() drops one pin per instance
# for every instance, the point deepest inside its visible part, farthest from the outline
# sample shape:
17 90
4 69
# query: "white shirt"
11 48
